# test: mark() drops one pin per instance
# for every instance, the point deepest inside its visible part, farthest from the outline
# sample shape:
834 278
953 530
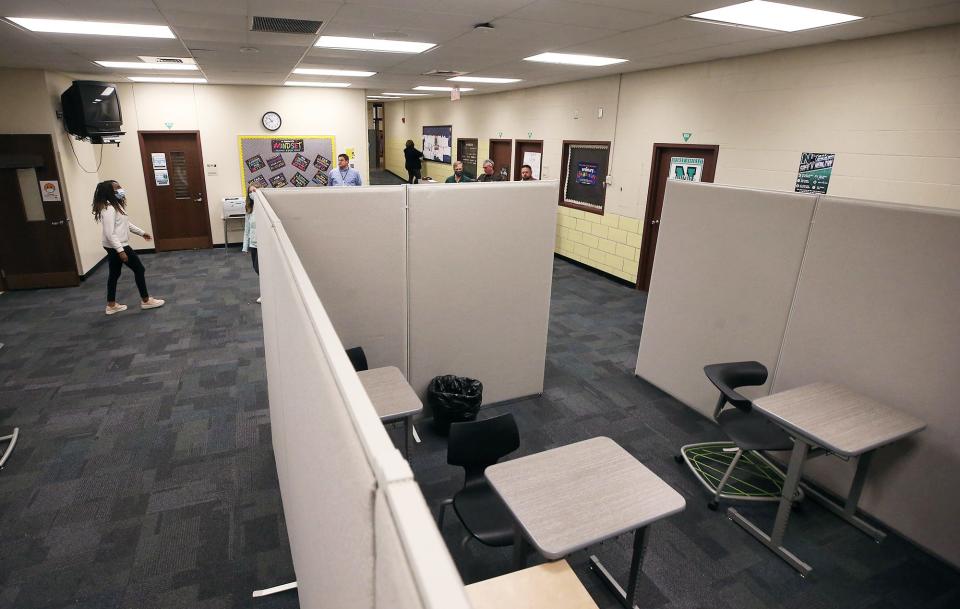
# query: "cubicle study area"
821 289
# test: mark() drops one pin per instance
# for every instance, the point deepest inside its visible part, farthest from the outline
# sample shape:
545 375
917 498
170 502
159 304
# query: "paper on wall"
533 159
161 177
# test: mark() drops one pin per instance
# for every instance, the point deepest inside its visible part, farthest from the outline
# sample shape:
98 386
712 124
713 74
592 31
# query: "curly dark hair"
103 196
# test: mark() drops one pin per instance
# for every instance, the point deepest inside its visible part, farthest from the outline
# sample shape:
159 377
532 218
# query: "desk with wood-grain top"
568 498
827 418
553 585
393 398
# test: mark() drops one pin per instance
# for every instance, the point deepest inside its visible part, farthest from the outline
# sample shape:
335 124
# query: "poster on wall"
50 190
437 142
686 169
815 171
587 173
161 177
533 159
285 162
467 154
159 160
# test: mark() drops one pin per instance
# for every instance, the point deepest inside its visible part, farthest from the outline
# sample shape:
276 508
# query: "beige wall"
30 99
887 106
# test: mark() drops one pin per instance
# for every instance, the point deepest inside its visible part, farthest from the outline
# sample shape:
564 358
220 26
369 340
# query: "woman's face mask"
121 194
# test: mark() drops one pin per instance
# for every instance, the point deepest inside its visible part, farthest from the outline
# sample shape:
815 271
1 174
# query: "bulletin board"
268 161
584 183
437 143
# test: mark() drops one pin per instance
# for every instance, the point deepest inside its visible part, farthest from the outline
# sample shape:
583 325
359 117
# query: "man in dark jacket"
413 165
488 174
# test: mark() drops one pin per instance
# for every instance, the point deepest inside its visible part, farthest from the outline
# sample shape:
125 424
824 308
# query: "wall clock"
271 121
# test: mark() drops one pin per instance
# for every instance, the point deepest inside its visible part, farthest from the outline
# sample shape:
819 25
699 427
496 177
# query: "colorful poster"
300 162
299 180
287 145
686 169
50 190
276 163
255 163
321 162
320 179
587 173
259 182
437 143
278 181
815 171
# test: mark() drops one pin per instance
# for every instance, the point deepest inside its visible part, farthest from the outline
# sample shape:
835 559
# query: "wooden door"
176 190
659 174
467 154
500 154
36 249
528 146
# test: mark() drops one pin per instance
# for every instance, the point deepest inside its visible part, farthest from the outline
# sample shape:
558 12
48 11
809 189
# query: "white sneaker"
258 299
114 309
152 303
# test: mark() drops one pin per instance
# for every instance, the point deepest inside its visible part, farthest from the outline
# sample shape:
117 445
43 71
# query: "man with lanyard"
344 174
458 176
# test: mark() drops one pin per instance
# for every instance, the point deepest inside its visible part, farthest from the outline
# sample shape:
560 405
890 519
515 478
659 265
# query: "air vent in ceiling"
283 25
443 73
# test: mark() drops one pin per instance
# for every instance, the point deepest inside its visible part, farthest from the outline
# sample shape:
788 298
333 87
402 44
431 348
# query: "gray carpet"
145 478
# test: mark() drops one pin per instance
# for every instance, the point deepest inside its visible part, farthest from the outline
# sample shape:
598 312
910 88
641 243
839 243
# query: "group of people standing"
413 163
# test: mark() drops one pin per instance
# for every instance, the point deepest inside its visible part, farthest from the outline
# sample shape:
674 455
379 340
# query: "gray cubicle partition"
480 271
723 278
864 295
354 517
878 309
352 244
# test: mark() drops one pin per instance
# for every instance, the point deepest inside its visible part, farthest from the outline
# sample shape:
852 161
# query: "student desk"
550 586
568 498
393 398
827 418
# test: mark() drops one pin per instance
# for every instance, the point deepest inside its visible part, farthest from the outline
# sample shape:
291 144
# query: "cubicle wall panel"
877 310
723 279
351 242
413 567
481 266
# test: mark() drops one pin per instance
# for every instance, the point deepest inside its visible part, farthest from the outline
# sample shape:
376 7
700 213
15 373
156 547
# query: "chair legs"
723 481
443 509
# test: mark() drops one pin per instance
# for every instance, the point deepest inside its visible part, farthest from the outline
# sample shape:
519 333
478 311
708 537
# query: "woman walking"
109 205
413 164
250 233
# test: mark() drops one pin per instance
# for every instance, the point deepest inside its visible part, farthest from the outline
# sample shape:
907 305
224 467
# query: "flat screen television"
91 110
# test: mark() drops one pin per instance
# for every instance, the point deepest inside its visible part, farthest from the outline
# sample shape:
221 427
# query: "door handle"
654 221
199 198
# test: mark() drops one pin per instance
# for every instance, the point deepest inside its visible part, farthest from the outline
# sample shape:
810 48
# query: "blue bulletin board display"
437 143
297 161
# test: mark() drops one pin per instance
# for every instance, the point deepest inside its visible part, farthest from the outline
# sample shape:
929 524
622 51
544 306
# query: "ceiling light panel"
326 72
95 28
407 94
377 45
774 16
574 60
140 65
426 88
484 79
168 79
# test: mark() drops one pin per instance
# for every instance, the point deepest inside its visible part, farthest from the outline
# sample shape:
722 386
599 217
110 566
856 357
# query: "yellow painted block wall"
609 242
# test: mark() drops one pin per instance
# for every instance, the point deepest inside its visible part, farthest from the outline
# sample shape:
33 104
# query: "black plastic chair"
358 358
748 430
475 445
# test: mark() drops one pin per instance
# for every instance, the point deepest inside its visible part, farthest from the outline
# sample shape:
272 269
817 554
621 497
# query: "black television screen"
91 108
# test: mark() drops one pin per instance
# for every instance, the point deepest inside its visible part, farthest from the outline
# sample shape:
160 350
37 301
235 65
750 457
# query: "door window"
178 175
30 194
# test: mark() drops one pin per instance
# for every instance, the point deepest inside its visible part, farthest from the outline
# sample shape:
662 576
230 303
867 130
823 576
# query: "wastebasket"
453 399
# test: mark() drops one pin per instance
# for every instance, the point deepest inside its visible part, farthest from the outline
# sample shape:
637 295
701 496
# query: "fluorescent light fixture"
483 79
407 94
142 65
574 60
382 97
426 88
97 28
774 16
311 83
168 79
107 91
325 72
373 44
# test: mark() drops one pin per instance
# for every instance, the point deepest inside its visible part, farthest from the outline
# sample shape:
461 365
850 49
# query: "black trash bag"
453 399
